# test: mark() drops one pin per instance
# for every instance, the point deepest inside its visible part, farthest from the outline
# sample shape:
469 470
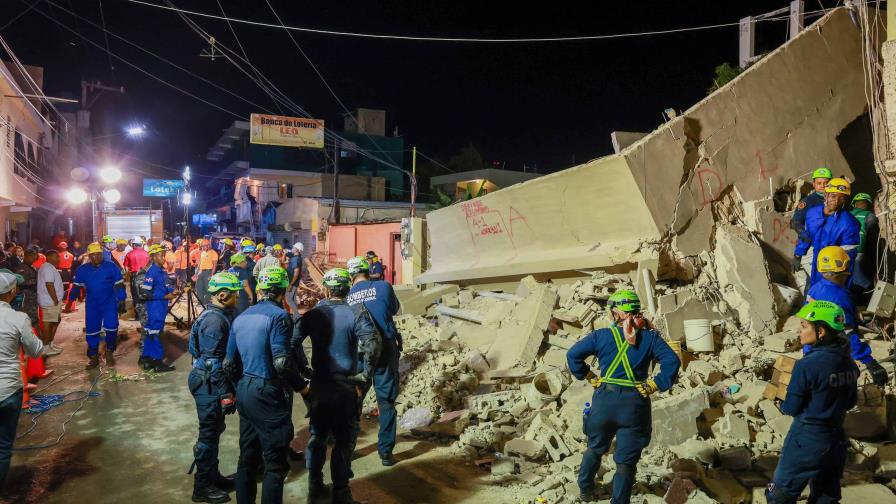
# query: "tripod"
193 304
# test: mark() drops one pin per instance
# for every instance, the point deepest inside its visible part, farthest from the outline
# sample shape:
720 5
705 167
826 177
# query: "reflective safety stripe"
621 358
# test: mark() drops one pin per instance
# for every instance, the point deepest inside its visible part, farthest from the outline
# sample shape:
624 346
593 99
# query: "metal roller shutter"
127 226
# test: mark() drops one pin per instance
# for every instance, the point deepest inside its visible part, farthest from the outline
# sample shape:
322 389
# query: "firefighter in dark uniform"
260 360
822 389
344 352
620 406
211 390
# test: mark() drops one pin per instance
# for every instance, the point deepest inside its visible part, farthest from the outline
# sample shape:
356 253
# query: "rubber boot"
93 362
211 494
316 491
110 358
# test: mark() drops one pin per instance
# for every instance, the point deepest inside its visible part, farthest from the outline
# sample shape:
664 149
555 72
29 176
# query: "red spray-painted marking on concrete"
780 229
765 171
515 215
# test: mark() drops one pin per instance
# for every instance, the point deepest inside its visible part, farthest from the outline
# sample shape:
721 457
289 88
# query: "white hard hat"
298 246
137 239
7 282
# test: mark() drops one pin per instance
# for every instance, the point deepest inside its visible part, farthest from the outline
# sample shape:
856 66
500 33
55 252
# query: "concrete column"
797 17
412 250
747 41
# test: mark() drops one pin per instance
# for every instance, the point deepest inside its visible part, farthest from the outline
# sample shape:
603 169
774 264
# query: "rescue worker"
294 267
104 286
620 406
66 262
344 353
208 263
260 360
182 265
157 293
238 269
381 302
833 264
229 250
820 178
108 246
249 252
377 270
267 261
136 260
826 225
822 389
211 390
863 271
120 250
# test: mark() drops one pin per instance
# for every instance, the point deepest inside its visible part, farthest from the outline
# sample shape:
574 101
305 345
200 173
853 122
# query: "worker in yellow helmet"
827 225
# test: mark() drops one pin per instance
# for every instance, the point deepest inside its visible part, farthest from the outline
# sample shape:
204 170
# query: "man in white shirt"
15 332
50 291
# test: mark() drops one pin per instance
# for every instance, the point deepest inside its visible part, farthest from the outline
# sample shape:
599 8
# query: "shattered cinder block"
543 430
450 424
744 279
780 342
732 426
675 418
517 341
496 402
750 393
526 448
730 360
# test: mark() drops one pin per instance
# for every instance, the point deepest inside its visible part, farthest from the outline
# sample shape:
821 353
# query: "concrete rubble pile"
488 370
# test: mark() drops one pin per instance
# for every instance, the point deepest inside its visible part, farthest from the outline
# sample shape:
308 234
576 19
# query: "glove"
228 404
796 263
647 387
878 373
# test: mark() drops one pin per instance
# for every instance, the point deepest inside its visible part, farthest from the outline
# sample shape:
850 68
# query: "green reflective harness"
621 358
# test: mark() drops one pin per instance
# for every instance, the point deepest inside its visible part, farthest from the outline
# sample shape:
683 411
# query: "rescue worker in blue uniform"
381 302
826 225
157 293
104 288
344 352
620 406
239 269
377 270
822 389
863 272
249 252
211 390
833 264
260 360
820 178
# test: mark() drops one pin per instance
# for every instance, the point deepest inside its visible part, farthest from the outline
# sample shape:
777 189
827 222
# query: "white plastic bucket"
544 388
698 335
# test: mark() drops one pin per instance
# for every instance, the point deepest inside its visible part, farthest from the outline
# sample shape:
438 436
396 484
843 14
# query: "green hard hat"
108 239
625 300
862 196
236 259
822 173
823 311
224 280
357 264
274 276
19 278
337 277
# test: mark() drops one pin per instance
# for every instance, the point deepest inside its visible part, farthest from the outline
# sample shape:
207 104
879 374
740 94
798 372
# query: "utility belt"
209 364
617 388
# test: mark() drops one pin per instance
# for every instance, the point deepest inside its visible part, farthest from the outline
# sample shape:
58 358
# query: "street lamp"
110 174
135 131
112 196
76 195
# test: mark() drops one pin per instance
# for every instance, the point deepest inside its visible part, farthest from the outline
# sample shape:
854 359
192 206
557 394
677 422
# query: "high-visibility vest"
621 358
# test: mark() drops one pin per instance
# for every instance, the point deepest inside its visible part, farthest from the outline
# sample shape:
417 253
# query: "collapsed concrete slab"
416 302
744 280
675 418
517 341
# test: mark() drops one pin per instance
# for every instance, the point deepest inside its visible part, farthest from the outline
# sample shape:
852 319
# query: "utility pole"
336 179
414 183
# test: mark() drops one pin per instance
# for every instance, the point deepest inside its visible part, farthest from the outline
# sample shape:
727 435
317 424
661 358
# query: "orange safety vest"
66 259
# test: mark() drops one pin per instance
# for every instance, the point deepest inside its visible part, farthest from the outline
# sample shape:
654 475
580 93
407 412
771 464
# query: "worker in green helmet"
820 178
863 272
620 406
822 389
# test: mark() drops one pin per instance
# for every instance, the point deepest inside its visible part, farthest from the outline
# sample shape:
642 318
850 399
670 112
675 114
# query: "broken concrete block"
498 313
451 300
465 297
886 454
573 400
869 419
517 341
744 279
739 458
695 449
675 418
731 360
780 342
543 430
496 402
679 491
450 424
724 487
780 424
526 448
769 410
416 303
527 286
869 493
750 394
477 362
732 426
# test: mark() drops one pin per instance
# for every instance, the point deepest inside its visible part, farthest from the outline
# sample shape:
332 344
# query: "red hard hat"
63 245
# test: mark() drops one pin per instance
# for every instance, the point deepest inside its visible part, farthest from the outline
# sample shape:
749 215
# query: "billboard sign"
286 131
156 188
205 219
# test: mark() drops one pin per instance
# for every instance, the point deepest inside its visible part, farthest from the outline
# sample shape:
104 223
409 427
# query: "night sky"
542 104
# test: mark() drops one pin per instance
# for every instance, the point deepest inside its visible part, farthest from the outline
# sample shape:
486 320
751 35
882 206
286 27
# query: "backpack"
140 294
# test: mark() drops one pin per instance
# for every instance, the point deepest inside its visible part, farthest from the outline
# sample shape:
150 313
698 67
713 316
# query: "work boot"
93 362
388 460
344 496
141 363
316 491
160 367
210 494
587 496
225 483
110 358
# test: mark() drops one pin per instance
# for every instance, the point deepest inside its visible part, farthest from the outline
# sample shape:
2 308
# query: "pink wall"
345 241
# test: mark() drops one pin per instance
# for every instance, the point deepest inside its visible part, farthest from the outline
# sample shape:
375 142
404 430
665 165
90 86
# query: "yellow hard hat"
839 186
121 241
155 249
832 260
95 248
278 247
228 241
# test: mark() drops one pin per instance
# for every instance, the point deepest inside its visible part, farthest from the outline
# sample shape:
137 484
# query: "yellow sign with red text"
286 131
